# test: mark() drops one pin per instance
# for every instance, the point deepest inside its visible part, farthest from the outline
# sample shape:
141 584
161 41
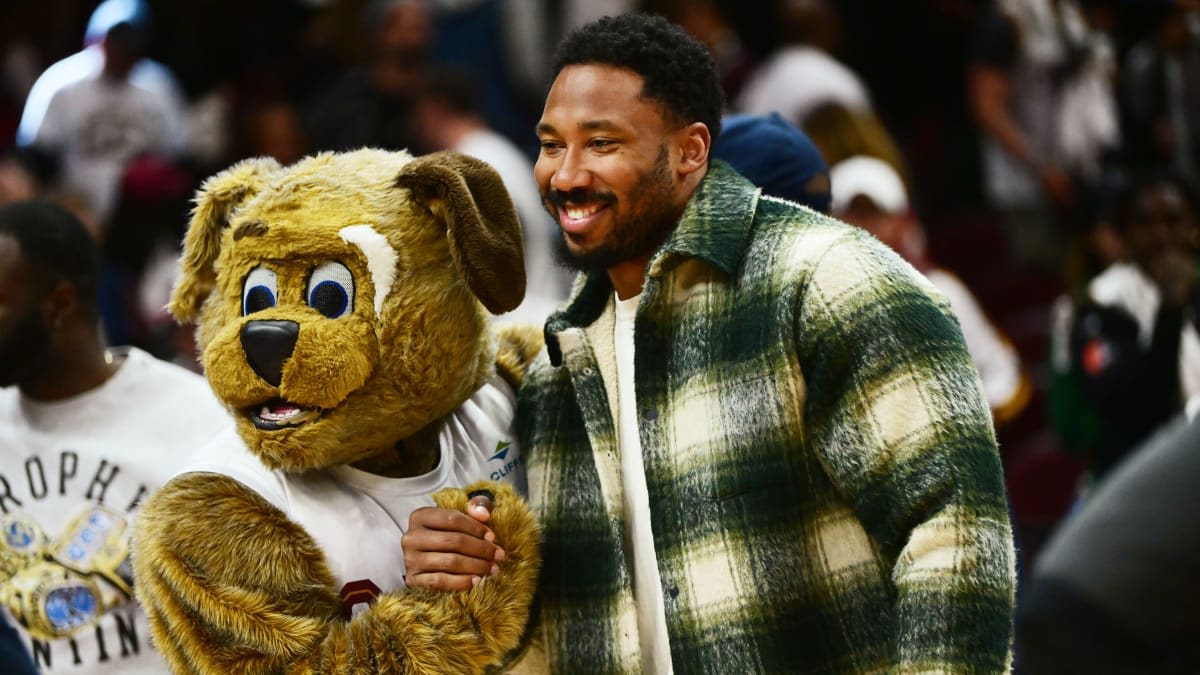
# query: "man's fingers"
446 520
420 565
439 581
480 506
422 549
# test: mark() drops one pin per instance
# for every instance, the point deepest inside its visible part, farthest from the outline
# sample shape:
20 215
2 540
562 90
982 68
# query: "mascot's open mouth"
279 414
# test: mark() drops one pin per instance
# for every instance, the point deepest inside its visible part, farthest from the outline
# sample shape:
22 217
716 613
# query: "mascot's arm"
231 585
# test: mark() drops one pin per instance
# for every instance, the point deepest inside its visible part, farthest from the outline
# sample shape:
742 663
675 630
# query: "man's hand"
448 550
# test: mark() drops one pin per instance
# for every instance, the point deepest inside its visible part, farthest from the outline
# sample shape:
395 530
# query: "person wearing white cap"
97 110
867 192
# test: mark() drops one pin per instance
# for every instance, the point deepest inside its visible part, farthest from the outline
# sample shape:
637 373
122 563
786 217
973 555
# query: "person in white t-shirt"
88 433
802 74
107 105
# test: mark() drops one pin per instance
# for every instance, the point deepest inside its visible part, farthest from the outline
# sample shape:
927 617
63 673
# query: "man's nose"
570 173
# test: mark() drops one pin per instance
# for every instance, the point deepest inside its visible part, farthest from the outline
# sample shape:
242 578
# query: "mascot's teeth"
285 414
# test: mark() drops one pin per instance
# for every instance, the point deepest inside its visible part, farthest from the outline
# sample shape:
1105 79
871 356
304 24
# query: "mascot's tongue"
279 411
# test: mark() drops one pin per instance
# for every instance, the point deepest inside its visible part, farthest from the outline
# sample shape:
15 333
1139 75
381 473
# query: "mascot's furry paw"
499 606
281 615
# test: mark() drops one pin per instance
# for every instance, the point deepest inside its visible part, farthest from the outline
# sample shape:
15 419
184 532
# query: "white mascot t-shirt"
358 518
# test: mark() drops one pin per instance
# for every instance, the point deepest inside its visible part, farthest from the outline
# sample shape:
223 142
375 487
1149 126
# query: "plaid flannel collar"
715 227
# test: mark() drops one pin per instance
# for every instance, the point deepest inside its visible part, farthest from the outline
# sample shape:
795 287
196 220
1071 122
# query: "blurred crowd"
1038 160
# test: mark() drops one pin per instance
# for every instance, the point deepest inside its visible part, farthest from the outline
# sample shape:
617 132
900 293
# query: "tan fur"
252 594
517 345
230 584
489 254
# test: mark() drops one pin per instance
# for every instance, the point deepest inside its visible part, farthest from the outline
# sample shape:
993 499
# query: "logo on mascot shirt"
358 595
506 465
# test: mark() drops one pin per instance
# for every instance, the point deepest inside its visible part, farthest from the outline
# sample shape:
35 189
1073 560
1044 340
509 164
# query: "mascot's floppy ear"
468 196
215 202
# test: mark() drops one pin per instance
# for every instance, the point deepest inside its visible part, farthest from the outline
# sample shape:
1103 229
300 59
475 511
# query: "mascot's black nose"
267 345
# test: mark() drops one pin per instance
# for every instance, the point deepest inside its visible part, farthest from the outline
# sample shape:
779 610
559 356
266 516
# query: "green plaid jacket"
825 490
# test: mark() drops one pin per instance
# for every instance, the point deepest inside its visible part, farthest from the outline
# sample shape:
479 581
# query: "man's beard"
25 350
635 233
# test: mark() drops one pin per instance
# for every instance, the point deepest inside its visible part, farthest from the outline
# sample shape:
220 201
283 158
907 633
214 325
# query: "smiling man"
617 191
755 441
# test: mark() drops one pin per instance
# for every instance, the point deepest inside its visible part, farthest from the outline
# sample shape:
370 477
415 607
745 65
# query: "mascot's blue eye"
331 290
259 291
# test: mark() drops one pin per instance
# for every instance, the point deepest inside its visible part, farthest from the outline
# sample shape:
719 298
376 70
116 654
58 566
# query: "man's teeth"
577 212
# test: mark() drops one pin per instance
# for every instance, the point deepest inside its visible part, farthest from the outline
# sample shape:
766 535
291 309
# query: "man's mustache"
561 198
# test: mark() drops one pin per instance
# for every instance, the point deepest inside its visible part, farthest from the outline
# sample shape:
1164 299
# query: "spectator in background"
274 129
1041 92
447 117
1160 92
88 64
96 126
1133 342
19 177
803 73
531 28
1075 420
149 220
841 132
868 193
708 22
776 156
1115 590
370 105
88 432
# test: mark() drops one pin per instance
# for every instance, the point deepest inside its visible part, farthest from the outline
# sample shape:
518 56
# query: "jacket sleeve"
895 410
231 585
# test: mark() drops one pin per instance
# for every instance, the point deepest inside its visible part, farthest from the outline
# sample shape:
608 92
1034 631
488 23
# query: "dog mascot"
341 306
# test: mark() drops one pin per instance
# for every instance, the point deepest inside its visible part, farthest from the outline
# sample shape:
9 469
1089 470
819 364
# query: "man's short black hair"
676 68
55 244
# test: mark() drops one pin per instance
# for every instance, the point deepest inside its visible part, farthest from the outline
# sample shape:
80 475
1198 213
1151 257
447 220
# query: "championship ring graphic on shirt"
55 588
21 545
53 602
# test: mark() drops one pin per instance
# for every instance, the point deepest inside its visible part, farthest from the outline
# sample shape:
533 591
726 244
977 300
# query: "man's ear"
215 203
58 304
695 142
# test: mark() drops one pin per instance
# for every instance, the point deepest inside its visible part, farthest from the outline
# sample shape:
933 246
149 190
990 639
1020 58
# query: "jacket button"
650 414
